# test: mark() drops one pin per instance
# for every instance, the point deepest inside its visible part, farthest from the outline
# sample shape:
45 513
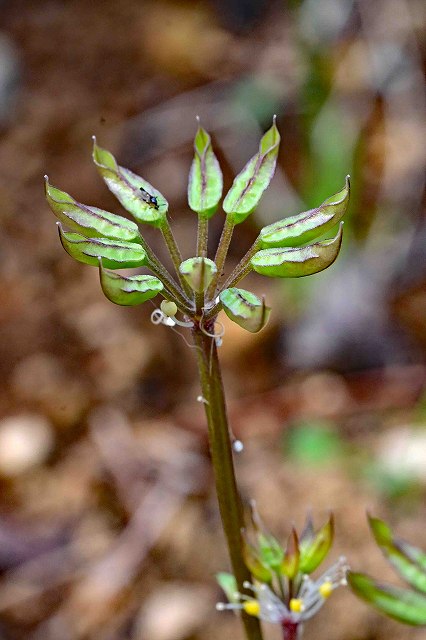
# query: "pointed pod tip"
94 139
46 177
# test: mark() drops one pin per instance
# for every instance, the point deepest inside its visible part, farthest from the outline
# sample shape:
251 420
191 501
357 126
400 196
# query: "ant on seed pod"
148 198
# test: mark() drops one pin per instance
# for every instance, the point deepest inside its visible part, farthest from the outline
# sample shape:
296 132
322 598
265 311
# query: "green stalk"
199 303
202 239
242 269
202 236
223 465
177 295
221 253
175 254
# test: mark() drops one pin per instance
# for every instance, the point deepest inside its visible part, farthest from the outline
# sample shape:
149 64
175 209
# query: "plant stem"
202 239
221 253
171 288
223 466
202 236
291 631
184 304
175 254
242 269
199 303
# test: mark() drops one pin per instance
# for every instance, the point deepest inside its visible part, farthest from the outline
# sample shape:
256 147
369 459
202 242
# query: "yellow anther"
252 607
326 589
296 605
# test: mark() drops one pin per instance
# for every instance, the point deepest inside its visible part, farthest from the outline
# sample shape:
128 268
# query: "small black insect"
148 198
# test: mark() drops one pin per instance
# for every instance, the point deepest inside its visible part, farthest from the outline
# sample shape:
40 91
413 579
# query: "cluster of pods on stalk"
112 242
283 590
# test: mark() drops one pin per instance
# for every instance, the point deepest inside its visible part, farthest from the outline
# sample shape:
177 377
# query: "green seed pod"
245 309
270 551
253 561
400 604
169 308
205 177
249 185
136 195
91 222
297 230
314 546
114 253
198 272
296 263
128 290
409 561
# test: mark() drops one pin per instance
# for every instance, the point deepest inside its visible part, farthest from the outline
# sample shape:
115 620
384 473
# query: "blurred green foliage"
313 443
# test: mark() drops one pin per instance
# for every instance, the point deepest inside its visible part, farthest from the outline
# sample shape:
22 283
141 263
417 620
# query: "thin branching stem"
221 253
242 269
202 236
222 461
170 285
199 303
202 240
175 253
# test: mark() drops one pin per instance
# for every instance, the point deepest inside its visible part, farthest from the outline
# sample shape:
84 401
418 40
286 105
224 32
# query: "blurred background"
109 528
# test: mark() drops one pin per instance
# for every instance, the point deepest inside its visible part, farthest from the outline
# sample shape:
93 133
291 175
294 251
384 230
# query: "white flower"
310 596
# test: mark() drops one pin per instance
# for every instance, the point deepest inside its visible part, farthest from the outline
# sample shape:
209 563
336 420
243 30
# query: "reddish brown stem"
291 631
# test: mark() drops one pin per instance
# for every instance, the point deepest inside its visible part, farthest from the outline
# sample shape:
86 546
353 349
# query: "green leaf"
313 443
131 190
198 272
249 185
89 221
114 253
128 290
296 263
315 547
401 604
229 585
396 553
244 308
205 177
297 230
